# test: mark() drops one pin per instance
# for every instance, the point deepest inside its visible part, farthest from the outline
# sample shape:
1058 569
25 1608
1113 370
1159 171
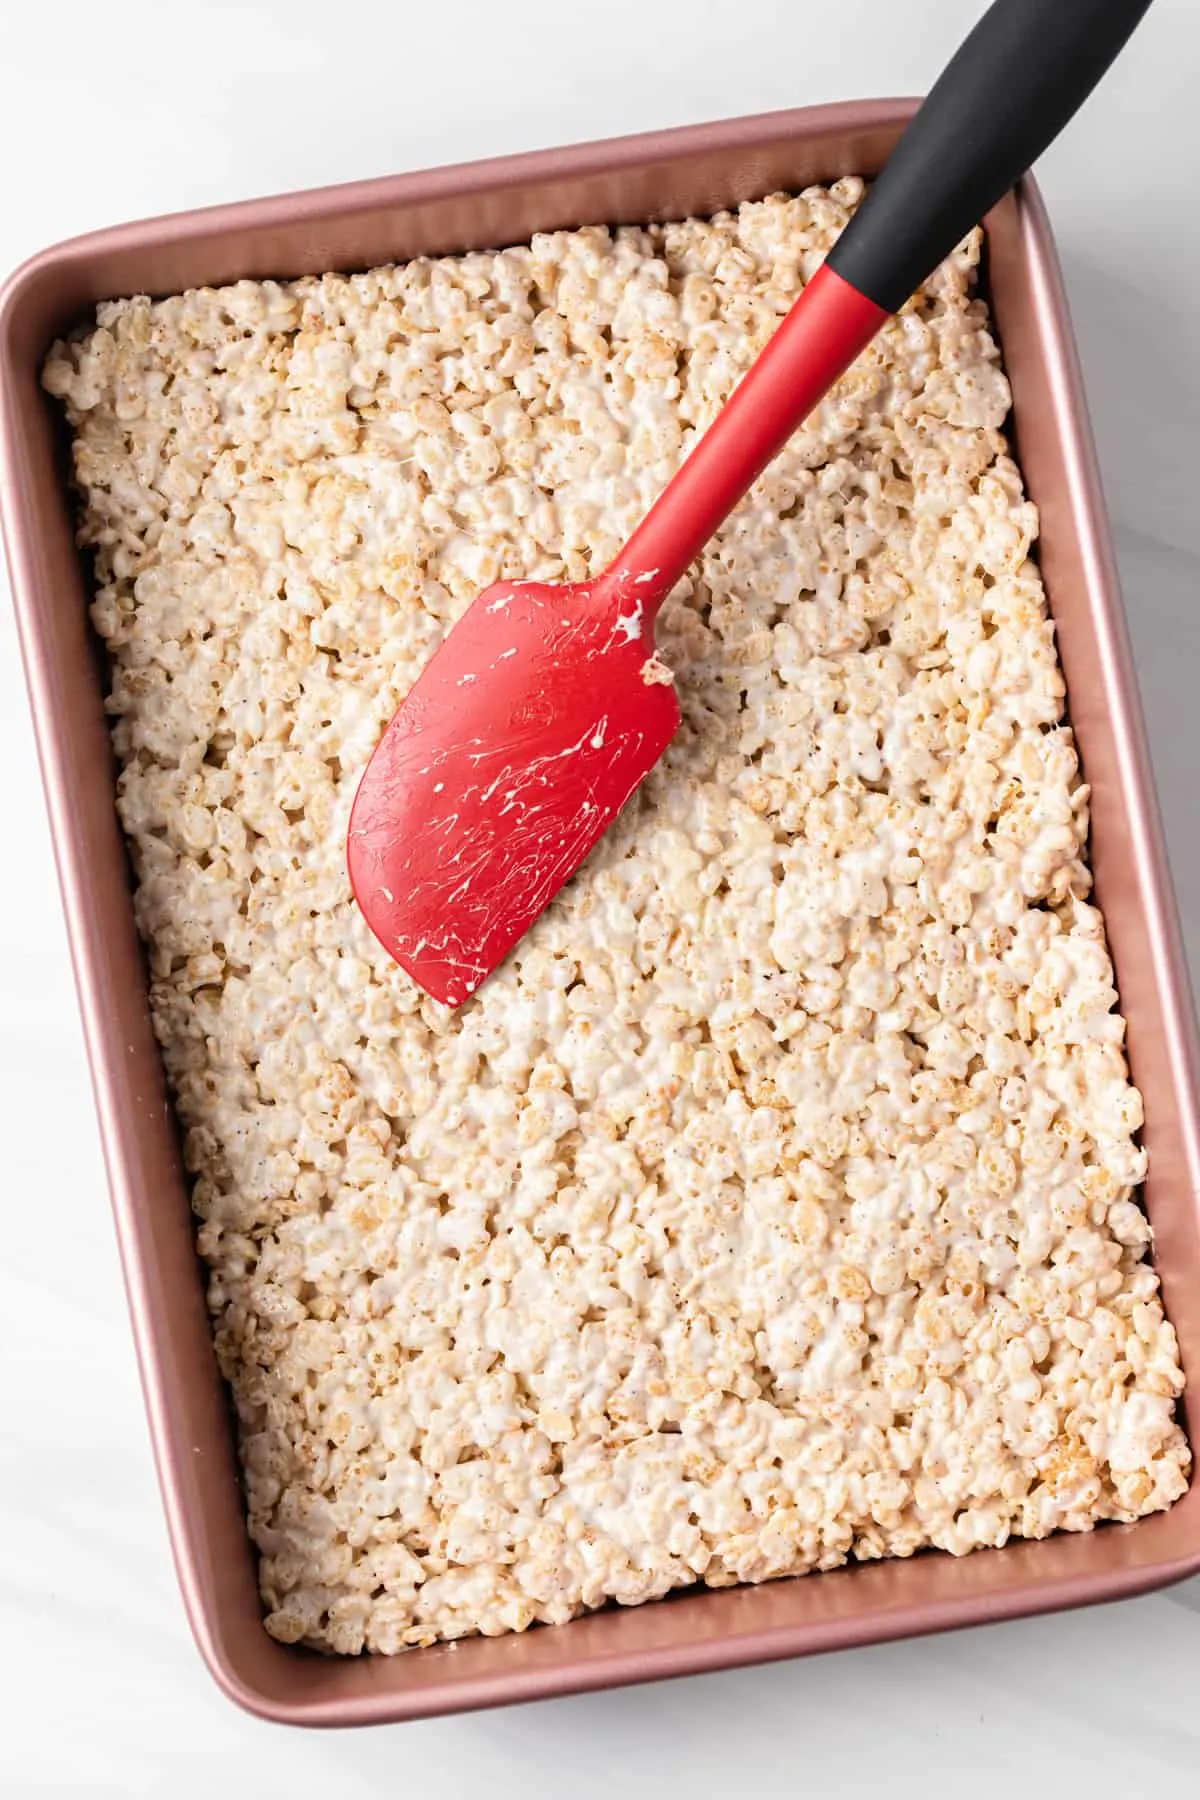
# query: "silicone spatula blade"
512 755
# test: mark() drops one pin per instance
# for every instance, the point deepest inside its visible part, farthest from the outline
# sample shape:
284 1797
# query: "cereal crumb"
655 673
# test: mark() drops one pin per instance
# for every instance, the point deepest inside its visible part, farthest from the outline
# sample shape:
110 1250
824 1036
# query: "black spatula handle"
1024 71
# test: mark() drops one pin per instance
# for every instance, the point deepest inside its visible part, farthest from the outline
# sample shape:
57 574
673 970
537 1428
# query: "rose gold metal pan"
663 175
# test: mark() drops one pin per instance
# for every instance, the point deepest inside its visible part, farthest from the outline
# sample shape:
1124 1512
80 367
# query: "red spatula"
545 707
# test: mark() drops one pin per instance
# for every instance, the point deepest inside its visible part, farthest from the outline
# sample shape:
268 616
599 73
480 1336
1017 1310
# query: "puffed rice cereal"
773 1205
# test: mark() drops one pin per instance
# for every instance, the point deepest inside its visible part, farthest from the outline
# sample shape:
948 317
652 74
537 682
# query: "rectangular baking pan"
659 176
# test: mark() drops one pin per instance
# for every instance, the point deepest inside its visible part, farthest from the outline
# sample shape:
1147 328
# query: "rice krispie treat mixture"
772 1206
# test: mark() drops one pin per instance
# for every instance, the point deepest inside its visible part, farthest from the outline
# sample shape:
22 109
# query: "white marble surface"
143 106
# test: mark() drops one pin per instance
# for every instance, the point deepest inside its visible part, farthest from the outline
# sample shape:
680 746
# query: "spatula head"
513 753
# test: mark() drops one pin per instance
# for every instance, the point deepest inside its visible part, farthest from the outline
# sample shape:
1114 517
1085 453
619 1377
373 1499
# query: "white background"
142 106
